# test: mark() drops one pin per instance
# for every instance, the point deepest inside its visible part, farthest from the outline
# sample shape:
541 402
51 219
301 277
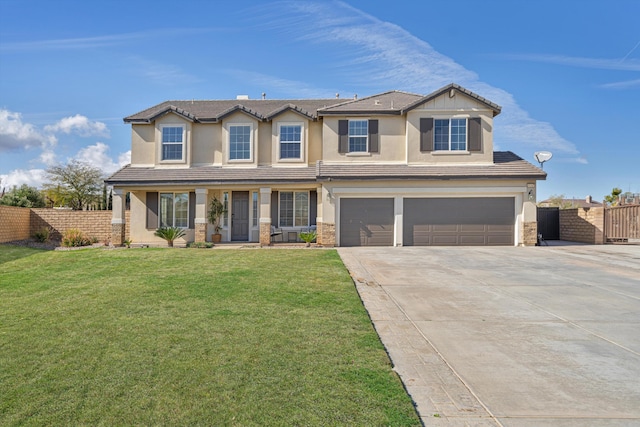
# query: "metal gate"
549 223
622 223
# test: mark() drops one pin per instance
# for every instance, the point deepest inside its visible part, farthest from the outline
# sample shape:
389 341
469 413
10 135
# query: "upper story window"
358 135
240 142
450 134
172 142
290 141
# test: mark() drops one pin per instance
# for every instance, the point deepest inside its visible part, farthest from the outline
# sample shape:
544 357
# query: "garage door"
451 222
366 222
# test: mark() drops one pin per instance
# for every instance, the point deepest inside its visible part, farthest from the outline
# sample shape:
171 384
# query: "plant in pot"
214 215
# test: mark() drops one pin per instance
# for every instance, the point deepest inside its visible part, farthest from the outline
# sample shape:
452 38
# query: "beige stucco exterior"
207 144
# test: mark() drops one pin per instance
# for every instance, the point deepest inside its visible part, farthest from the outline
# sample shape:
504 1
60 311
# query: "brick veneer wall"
14 223
22 223
584 225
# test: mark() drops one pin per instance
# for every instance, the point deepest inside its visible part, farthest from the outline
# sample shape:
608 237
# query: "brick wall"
22 223
584 225
14 223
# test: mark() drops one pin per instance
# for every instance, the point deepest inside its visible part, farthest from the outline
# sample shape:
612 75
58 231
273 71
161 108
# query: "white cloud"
16 134
627 84
389 57
31 177
80 125
161 73
97 155
623 64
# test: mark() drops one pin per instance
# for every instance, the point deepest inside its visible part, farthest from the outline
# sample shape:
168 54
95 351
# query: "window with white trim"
172 142
358 136
290 141
294 208
450 134
240 142
174 210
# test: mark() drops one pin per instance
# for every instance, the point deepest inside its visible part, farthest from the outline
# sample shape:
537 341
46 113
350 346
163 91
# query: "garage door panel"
366 222
459 221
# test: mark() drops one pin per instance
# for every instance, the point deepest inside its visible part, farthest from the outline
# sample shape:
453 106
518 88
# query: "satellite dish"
543 156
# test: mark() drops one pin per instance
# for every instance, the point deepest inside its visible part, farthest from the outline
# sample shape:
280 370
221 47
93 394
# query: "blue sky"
566 73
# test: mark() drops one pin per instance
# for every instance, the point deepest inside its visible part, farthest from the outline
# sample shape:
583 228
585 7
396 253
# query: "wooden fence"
622 223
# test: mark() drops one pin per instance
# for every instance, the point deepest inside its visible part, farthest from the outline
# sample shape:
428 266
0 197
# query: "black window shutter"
274 208
343 136
426 134
152 209
475 134
313 207
192 210
374 146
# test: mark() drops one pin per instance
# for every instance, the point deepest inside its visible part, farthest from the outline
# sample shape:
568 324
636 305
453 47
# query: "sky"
566 73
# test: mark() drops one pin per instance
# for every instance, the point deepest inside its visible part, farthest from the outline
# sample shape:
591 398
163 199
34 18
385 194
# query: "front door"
240 216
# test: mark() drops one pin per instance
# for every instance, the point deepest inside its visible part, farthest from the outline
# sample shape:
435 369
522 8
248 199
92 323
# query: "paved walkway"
546 336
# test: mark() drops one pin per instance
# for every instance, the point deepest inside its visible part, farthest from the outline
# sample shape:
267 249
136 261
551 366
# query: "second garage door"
465 221
366 222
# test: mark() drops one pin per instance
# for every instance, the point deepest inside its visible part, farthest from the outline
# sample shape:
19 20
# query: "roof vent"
242 97
337 95
264 95
355 96
377 102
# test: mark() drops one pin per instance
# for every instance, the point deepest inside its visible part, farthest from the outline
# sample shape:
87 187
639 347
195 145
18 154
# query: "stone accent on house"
14 223
529 234
584 225
201 232
117 234
326 234
265 233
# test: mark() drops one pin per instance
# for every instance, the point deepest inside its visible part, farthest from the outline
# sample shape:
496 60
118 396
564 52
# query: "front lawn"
189 336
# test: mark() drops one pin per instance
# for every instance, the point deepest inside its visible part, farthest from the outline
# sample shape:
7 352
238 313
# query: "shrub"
74 237
308 236
43 235
170 234
201 245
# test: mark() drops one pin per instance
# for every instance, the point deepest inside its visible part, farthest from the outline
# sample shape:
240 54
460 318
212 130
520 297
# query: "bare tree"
79 184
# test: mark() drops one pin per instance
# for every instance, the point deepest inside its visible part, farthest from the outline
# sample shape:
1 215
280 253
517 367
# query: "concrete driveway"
508 336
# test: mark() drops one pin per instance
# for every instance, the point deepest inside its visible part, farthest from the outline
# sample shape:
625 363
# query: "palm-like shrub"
308 236
170 234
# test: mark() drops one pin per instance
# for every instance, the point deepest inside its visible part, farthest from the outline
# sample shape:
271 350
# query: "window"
358 133
450 134
225 202
172 142
254 198
240 142
174 210
294 208
290 141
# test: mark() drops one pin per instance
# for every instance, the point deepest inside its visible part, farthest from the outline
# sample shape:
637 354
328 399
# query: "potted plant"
215 213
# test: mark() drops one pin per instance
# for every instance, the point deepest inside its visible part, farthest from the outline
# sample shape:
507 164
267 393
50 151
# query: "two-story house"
390 169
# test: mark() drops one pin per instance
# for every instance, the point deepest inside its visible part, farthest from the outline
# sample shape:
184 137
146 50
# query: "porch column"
117 217
201 215
265 216
529 226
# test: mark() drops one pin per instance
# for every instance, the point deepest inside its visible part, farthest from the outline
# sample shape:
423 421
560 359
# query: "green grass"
189 337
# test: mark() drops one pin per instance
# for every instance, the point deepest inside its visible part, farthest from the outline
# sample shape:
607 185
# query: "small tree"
614 198
557 200
77 184
170 234
23 196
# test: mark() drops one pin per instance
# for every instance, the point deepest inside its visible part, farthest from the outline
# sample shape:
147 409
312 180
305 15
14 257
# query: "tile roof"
506 165
209 175
215 110
392 102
